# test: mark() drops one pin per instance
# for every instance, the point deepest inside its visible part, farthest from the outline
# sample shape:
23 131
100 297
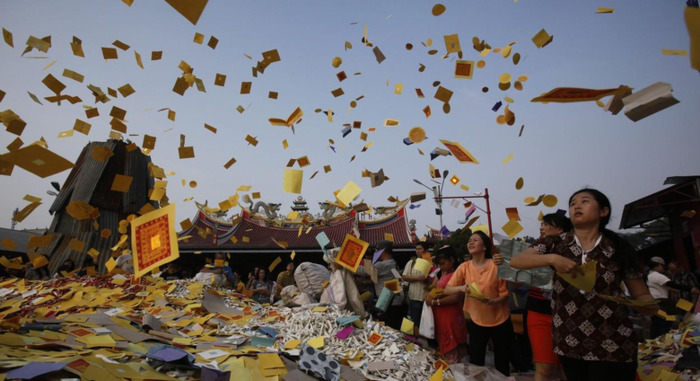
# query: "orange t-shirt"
489 284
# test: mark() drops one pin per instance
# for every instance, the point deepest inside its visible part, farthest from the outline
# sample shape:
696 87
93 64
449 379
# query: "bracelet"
438 302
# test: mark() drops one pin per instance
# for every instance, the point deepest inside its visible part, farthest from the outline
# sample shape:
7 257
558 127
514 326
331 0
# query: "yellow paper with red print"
154 240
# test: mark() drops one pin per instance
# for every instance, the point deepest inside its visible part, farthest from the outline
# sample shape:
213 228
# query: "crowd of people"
458 303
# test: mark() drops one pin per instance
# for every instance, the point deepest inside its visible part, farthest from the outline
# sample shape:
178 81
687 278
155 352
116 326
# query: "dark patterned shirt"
587 327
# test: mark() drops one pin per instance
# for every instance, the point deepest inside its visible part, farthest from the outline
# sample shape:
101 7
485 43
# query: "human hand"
498 259
566 265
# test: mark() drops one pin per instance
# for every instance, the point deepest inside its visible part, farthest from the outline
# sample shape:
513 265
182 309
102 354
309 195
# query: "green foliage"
458 240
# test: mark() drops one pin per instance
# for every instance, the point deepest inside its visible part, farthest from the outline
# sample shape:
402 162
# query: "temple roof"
256 232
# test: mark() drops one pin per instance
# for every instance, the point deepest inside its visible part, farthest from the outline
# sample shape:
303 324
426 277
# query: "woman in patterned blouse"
593 337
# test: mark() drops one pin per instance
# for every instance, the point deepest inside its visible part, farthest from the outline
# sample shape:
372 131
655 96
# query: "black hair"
487 242
624 252
424 244
447 252
559 221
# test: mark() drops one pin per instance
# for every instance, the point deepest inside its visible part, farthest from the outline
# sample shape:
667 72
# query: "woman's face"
585 210
261 274
547 229
447 265
475 245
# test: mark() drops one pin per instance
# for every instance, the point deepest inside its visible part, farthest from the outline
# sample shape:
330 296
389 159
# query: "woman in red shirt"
450 327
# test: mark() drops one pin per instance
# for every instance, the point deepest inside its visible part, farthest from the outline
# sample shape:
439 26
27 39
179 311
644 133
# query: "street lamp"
437 193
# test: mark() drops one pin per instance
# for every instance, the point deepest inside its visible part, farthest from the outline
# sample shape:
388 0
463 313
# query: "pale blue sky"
563 147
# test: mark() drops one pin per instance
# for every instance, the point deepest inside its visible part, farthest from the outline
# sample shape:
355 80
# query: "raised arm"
639 291
531 258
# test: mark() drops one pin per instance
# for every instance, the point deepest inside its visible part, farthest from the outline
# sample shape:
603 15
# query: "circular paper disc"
549 200
519 184
438 9
416 134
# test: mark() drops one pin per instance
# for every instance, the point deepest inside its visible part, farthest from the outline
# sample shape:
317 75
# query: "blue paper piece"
414 206
345 320
376 255
209 374
384 299
322 239
407 141
445 231
168 353
258 341
268 331
35 369
496 106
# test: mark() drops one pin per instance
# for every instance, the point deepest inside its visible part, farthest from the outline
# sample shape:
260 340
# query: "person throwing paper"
593 337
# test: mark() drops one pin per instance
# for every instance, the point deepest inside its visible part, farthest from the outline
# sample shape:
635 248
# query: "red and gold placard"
351 253
154 240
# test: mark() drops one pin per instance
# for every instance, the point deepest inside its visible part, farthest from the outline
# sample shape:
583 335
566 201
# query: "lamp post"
437 193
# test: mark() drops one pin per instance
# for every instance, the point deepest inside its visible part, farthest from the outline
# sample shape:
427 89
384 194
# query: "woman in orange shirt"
490 314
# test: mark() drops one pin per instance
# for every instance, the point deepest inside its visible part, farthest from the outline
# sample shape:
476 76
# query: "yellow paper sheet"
316 342
585 282
292 180
684 304
348 193
407 326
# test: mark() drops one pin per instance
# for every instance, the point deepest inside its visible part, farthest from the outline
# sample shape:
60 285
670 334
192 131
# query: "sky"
563 146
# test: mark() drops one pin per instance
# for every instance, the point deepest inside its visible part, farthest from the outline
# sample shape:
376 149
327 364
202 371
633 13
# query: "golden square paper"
443 94
149 142
92 112
213 41
38 160
121 45
101 154
186 152
126 90
246 87
73 75
121 183
292 180
229 163
220 79
251 140
76 245
190 9
109 53
118 113
53 84
82 127
452 43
